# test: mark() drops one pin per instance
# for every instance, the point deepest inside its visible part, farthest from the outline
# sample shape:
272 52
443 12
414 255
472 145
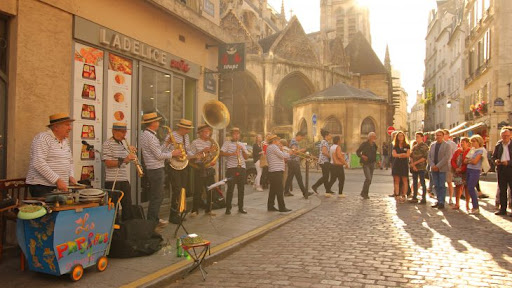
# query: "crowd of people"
456 166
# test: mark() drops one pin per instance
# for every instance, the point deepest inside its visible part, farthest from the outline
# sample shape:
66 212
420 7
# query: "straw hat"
150 117
184 123
119 126
202 127
271 138
60 118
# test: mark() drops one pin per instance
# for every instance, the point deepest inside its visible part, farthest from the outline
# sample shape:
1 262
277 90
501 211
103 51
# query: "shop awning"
458 127
470 128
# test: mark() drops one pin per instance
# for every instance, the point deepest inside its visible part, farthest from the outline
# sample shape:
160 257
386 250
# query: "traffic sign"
391 129
314 119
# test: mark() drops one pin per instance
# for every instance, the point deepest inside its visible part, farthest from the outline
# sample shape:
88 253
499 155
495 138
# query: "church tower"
344 19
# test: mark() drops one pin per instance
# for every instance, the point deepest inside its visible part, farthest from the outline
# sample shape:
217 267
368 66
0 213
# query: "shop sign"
98 35
232 57
210 84
499 102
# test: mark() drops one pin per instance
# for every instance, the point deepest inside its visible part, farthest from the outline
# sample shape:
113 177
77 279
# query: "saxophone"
180 162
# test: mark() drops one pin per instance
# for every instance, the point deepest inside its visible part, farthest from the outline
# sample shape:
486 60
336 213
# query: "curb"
170 274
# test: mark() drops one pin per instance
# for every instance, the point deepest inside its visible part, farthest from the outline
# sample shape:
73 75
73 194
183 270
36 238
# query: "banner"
232 57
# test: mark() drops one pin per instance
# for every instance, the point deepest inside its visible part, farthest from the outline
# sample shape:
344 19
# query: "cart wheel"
77 272
102 263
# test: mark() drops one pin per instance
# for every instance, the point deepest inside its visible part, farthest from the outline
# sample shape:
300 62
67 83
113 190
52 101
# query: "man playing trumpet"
200 148
116 157
236 154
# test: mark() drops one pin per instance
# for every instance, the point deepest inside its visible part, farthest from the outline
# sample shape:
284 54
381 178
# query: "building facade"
344 19
416 116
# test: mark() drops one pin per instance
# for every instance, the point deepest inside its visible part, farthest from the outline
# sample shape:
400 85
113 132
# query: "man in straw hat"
179 178
276 165
51 160
205 175
116 157
236 154
154 155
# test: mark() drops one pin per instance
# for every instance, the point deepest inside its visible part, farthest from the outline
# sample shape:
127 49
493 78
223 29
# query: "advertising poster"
119 89
87 111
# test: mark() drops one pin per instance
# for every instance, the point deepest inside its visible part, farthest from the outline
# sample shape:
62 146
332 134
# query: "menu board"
119 89
87 107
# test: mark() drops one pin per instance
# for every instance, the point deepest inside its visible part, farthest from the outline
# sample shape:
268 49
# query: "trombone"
306 155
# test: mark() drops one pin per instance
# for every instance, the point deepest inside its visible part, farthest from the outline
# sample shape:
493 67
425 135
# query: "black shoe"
285 210
308 194
288 194
242 211
462 197
483 196
272 209
423 201
440 206
228 212
365 196
392 195
413 200
435 205
500 213
329 192
314 189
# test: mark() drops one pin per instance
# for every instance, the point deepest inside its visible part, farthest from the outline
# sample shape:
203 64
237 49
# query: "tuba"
180 162
215 114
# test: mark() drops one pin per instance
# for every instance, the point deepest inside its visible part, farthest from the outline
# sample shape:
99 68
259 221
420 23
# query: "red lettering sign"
180 65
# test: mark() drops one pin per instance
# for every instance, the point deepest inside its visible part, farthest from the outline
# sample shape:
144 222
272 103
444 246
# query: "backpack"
135 238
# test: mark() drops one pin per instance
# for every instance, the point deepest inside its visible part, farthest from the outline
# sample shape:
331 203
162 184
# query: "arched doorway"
293 87
303 126
243 97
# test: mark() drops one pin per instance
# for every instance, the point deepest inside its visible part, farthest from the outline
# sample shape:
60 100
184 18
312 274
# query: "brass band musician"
236 154
116 157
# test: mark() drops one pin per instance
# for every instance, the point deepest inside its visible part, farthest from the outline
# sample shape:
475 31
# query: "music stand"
182 208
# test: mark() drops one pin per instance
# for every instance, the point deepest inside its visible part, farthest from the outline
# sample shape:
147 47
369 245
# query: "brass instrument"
208 158
238 159
306 155
180 162
138 166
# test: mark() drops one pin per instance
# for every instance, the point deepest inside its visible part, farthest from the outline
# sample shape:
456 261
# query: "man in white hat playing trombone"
51 160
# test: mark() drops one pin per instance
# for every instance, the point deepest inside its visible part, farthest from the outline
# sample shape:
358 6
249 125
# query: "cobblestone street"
351 242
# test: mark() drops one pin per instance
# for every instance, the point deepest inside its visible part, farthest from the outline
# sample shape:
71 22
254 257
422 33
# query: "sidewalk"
225 232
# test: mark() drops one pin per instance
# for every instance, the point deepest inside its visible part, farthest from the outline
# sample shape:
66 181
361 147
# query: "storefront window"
3 94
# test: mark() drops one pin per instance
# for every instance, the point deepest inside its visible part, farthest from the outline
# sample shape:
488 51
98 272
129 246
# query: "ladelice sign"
232 57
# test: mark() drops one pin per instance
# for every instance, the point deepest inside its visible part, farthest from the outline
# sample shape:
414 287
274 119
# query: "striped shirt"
275 158
294 144
232 161
322 158
113 150
179 139
50 160
197 146
153 153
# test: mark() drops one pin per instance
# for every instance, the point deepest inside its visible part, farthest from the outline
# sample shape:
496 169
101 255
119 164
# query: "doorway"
4 37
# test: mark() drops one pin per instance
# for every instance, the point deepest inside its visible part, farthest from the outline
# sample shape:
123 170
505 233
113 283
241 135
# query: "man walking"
449 176
501 156
367 153
294 166
439 159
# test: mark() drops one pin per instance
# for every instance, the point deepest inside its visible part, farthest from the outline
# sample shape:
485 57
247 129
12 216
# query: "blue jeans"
472 178
439 179
368 176
156 181
421 175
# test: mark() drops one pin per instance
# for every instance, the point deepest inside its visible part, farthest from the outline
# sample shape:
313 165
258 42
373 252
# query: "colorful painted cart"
70 238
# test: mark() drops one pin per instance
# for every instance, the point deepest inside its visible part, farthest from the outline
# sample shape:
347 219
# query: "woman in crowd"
324 161
474 166
400 169
459 171
419 156
257 151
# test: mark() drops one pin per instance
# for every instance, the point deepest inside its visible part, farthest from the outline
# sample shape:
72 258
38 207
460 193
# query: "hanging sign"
232 57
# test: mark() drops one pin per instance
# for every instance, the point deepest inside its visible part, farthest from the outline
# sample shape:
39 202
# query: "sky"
401 24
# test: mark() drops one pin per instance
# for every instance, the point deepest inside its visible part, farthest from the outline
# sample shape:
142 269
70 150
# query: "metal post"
307 179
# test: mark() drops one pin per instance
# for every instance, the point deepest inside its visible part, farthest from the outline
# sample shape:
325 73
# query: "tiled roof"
363 59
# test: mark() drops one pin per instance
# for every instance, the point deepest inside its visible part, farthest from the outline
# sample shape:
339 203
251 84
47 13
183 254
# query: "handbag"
263 161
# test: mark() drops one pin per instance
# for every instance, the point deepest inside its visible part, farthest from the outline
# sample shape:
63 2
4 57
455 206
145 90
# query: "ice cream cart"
70 238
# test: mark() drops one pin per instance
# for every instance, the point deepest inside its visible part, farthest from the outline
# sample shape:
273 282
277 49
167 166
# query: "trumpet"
138 166
180 162
306 155
238 158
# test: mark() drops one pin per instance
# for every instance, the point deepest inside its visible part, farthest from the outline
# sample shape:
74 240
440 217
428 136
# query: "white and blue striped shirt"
50 160
275 158
153 153
113 150
179 139
232 161
197 146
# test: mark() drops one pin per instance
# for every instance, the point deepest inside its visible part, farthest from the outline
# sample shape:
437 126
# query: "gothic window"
303 127
333 125
367 126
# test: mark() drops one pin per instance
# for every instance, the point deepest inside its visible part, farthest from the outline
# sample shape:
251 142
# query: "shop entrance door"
3 95
163 92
